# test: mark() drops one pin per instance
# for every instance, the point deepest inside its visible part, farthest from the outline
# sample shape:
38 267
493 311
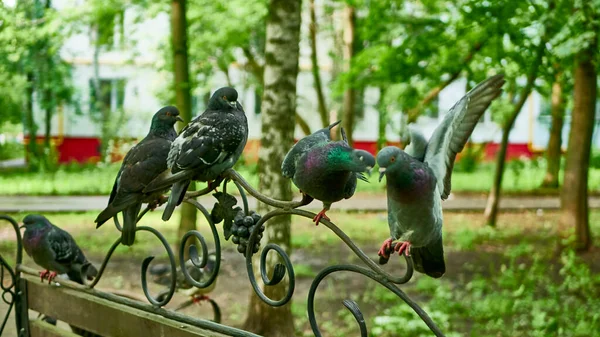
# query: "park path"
360 202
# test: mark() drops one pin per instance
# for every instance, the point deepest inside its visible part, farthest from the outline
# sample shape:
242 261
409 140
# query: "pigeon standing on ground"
205 148
143 163
54 249
326 170
419 179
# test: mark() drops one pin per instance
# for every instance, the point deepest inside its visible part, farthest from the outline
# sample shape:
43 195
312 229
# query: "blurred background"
80 80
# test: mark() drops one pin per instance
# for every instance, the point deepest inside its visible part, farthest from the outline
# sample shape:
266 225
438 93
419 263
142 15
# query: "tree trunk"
491 209
323 112
183 97
279 106
574 196
553 153
383 119
348 54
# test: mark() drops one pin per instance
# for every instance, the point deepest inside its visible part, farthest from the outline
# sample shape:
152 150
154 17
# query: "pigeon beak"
369 168
381 173
22 226
178 118
233 104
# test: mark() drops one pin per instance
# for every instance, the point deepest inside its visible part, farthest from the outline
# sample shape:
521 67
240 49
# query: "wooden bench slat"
39 328
104 317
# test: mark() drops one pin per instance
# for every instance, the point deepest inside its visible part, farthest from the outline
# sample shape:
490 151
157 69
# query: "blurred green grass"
519 178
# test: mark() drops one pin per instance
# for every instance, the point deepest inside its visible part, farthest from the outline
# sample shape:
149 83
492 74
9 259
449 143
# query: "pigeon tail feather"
129 220
165 181
430 258
176 197
112 209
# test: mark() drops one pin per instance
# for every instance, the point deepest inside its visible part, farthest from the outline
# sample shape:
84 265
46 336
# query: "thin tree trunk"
348 54
279 106
383 119
491 209
302 124
323 112
553 153
574 196
183 97
31 126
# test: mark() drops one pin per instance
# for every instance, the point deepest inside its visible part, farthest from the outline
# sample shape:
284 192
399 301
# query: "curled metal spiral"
9 290
193 251
353 307
145 264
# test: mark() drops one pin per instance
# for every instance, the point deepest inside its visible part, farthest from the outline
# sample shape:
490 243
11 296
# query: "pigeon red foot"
199 298
319 216
47 274
403 247
386 247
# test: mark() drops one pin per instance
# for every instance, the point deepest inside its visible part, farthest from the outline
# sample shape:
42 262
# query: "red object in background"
87 149
79 149
514 151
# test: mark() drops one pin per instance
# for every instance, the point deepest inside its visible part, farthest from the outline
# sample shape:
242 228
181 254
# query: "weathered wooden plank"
104 317
39 328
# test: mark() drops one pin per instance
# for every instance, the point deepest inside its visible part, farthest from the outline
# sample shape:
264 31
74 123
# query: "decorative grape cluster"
243 226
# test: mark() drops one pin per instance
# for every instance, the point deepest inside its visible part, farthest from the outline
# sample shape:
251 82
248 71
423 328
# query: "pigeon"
144 162
162 275
205 148
419 179
326 170
54 249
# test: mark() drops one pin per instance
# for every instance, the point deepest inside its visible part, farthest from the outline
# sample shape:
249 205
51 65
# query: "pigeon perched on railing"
162 275
144 162
205 148
419 179
326 170
54 249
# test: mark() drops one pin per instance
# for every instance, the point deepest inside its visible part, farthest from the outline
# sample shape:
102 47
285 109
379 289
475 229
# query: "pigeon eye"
224 97
168 114
393 159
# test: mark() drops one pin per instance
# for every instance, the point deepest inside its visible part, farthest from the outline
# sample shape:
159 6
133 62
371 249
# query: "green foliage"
528 296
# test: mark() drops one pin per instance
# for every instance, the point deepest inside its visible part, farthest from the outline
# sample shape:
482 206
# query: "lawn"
520 279
521 177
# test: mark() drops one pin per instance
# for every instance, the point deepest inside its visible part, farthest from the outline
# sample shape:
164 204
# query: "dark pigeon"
419 179
55 250
144 162
205 148
326 170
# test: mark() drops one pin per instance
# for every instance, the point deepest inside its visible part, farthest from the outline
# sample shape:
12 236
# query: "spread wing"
453 133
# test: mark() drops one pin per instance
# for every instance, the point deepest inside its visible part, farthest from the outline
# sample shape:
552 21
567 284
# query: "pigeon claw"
385 249
51 276
197 299
44 274
403 247
319 216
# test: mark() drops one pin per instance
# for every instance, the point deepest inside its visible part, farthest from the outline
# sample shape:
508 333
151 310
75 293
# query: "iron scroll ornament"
199 259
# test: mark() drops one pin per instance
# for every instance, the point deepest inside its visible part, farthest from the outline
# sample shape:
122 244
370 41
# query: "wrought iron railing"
11 291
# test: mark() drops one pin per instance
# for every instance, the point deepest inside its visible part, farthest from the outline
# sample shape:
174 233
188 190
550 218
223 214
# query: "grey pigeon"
144 162
162 275
209 145
419 179
55 250
326 170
